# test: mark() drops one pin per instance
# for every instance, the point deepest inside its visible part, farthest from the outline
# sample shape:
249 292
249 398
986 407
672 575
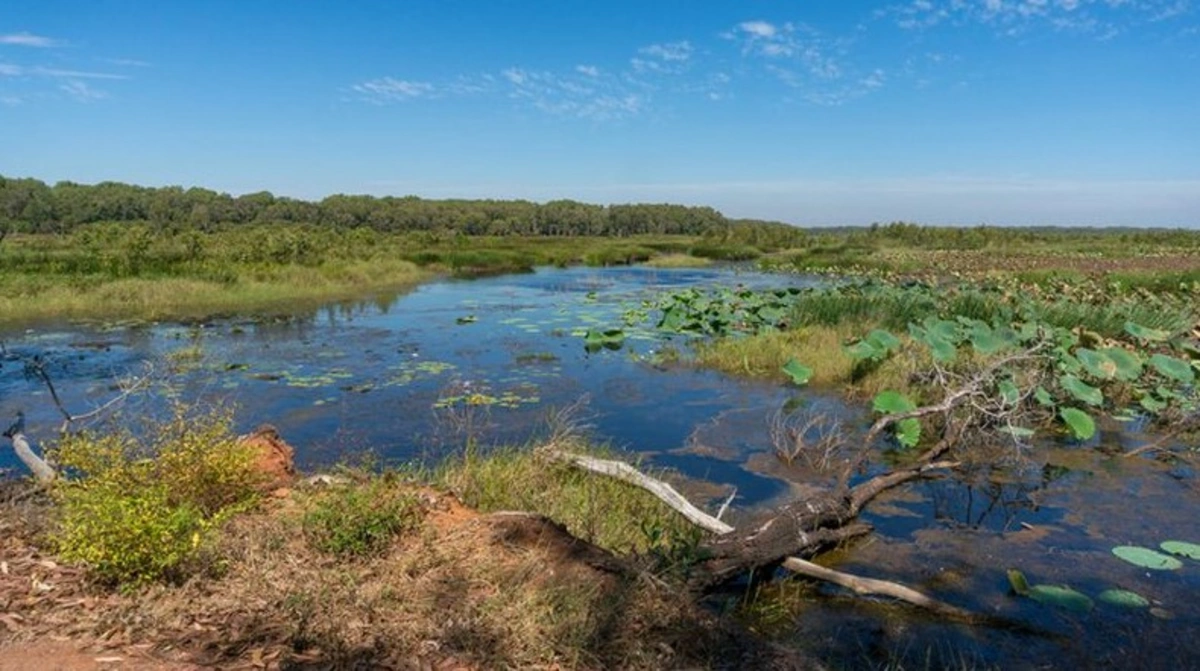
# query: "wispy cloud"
126 62
81 91
24 39
387 89
74 74
588 70
667 58
669 51
1103 18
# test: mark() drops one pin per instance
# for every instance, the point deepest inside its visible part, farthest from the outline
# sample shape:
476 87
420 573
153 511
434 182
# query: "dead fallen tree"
43 472
798 528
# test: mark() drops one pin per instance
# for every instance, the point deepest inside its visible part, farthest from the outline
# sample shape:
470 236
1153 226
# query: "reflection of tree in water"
990 498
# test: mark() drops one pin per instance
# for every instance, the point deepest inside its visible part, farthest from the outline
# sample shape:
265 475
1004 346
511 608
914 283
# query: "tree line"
32 206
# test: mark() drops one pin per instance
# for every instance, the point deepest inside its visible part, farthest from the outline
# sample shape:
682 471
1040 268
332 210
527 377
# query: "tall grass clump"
136 509
362 520
614 515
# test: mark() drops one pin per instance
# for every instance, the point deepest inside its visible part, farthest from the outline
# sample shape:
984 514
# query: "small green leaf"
863 350
1096 363
1082 390
798 372
883 340
1146 558
1043 397
890 402
1063 597
1176 369
908 432
1009 392
1146 333
1123 598
1152 405
1182 548
1017 581
1129 365
1079 422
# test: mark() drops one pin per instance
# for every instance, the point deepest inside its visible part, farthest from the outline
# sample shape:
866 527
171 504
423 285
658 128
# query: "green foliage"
1147 558
890 402
360 520
1182 548
1123 598
596 339
1081 424
142 510
612 514
797 372
1051 595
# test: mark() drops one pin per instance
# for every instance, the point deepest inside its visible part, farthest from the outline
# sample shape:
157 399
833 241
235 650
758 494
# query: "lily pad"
1174 368
1182 548
1146 333
798 372
1061 596
1124 598
1082 390
1081 424
1146 558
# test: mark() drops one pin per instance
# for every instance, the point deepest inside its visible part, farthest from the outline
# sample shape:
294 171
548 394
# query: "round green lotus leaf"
1082 426
1182 548
1063 597
798 372
1124 598
1146 558
1174 368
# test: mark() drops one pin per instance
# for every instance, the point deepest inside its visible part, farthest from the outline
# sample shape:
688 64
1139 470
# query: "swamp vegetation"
875 373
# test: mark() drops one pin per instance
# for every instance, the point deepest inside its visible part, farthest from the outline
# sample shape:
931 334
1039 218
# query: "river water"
414 376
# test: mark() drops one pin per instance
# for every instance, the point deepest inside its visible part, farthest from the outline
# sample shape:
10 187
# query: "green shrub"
360 520
136 510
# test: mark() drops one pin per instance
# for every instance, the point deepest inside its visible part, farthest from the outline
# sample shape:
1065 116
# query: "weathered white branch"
42 471
860 585
665 493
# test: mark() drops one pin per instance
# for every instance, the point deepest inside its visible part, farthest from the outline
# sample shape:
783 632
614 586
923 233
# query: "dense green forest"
31 206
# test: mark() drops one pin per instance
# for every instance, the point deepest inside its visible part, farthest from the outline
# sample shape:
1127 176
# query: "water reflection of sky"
362 375
353 376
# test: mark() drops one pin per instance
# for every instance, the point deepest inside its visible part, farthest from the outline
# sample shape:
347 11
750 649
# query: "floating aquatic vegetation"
1147 558
1182 548
1123 598
1051 595
596 339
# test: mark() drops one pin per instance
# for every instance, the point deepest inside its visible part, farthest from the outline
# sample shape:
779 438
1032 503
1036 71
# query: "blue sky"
937 111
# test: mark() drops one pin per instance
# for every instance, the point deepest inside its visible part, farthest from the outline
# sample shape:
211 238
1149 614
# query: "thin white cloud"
126 62
81 91
25 39
589 70
74 74
388 89
1103 18
669 51
10 70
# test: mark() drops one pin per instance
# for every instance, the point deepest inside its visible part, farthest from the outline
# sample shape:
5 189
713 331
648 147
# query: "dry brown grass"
466 590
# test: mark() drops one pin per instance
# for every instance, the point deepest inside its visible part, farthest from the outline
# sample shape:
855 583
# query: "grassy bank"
133 271
184 557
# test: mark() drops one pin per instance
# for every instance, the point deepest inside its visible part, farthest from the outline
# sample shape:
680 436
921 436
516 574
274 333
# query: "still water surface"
392 375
